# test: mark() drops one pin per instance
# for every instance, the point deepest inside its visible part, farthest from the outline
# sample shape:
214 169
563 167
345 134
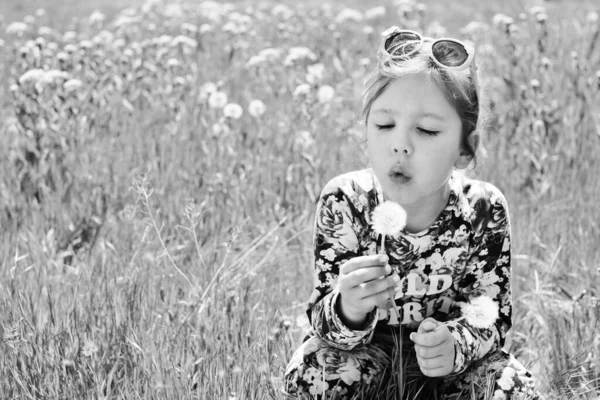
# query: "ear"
464 157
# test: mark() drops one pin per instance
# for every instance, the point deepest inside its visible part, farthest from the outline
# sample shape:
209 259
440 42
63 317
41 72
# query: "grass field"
151 245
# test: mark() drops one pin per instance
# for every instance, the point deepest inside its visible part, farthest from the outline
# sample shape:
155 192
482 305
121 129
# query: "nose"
401 143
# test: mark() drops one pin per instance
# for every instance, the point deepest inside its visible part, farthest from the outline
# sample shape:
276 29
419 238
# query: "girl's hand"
434 348
363 284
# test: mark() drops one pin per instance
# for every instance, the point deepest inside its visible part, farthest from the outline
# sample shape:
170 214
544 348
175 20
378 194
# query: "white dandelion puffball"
217 100
480 312
17 29
388 218
302 89
256 108
325 94
32 76
375 12
233 110
72 85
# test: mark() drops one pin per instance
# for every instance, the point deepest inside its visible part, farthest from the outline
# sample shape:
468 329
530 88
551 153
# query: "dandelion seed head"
72 85
70 48
54 74
255 60
302 89
282 11
184 41
315 73
188 28
206 90
46 31
217 99
299 53
97 17
325 94
349 14
541 17
388 218
173 10
89 348
233 110
219 129
173 62
17 29
475 28
69 36
32 76
499 395
375 12
502 20
480 312
256 108
535 10
205 28
304 140
29 19
86 44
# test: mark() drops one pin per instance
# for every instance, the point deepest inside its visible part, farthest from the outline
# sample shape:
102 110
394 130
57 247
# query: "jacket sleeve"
335 242
488 272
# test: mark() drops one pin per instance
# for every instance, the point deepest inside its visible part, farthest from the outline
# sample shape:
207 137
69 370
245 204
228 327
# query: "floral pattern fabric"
318 370
465 253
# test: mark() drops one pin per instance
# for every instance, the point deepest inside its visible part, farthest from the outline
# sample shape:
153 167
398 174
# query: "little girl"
421 110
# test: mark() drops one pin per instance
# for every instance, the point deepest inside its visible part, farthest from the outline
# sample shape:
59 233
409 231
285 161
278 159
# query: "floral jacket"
463 254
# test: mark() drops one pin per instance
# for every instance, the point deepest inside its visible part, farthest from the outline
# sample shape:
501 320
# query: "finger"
429 353
388 285
430 339
379 299
365 275
435 372
428 325
432 363
363 262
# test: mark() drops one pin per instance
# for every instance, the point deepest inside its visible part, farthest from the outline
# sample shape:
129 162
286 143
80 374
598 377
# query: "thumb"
428 325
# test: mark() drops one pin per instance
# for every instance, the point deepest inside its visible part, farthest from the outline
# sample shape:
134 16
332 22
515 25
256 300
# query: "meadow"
160 166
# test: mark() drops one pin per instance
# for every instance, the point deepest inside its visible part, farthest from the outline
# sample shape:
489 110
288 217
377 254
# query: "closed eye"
428 132
384 127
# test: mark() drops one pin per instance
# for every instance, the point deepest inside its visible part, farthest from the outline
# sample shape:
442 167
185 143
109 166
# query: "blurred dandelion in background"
217 100
347 15
325 94
304 140
301 90
233 110
315 73
256 108
89 348
72 85
375 13
299 53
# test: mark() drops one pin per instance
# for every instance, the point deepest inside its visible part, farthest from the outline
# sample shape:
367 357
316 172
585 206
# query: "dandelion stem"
391 292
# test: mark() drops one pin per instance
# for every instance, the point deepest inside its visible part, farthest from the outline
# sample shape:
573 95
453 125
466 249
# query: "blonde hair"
458 88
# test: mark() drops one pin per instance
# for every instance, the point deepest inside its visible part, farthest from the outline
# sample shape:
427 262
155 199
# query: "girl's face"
414 142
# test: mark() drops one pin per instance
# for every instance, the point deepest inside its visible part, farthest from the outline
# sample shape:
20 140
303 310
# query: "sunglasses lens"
402 43
449 53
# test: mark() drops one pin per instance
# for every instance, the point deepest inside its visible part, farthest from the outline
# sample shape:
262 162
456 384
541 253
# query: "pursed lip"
399 170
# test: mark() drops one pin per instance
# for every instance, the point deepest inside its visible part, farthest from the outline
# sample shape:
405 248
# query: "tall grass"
153 248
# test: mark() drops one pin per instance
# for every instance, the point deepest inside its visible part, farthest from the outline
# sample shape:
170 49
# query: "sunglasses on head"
452 54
